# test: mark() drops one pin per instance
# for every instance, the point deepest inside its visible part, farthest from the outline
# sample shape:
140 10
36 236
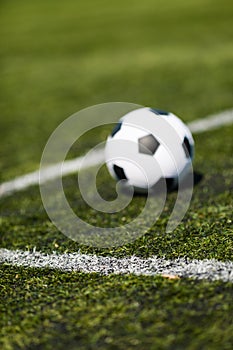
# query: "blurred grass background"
58 57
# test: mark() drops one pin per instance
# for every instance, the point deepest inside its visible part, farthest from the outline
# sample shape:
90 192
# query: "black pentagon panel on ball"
159 111
187 148
148 144
116 128
170 182
120 174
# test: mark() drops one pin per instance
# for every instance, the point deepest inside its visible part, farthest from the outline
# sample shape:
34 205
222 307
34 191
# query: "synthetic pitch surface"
163 291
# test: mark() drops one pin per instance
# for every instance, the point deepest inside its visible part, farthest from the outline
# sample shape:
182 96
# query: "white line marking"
197 269
49 173
212 122
71 166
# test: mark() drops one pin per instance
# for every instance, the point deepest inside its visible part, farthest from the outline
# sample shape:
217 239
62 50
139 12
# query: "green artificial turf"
205 232
58 57
79 311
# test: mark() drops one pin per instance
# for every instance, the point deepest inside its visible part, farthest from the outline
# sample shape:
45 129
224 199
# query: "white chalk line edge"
71 166
211 270
198 269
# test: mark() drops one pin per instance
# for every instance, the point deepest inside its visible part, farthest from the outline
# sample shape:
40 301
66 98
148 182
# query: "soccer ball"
148 145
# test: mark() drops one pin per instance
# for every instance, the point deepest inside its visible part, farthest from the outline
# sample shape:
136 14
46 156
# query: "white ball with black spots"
147 145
